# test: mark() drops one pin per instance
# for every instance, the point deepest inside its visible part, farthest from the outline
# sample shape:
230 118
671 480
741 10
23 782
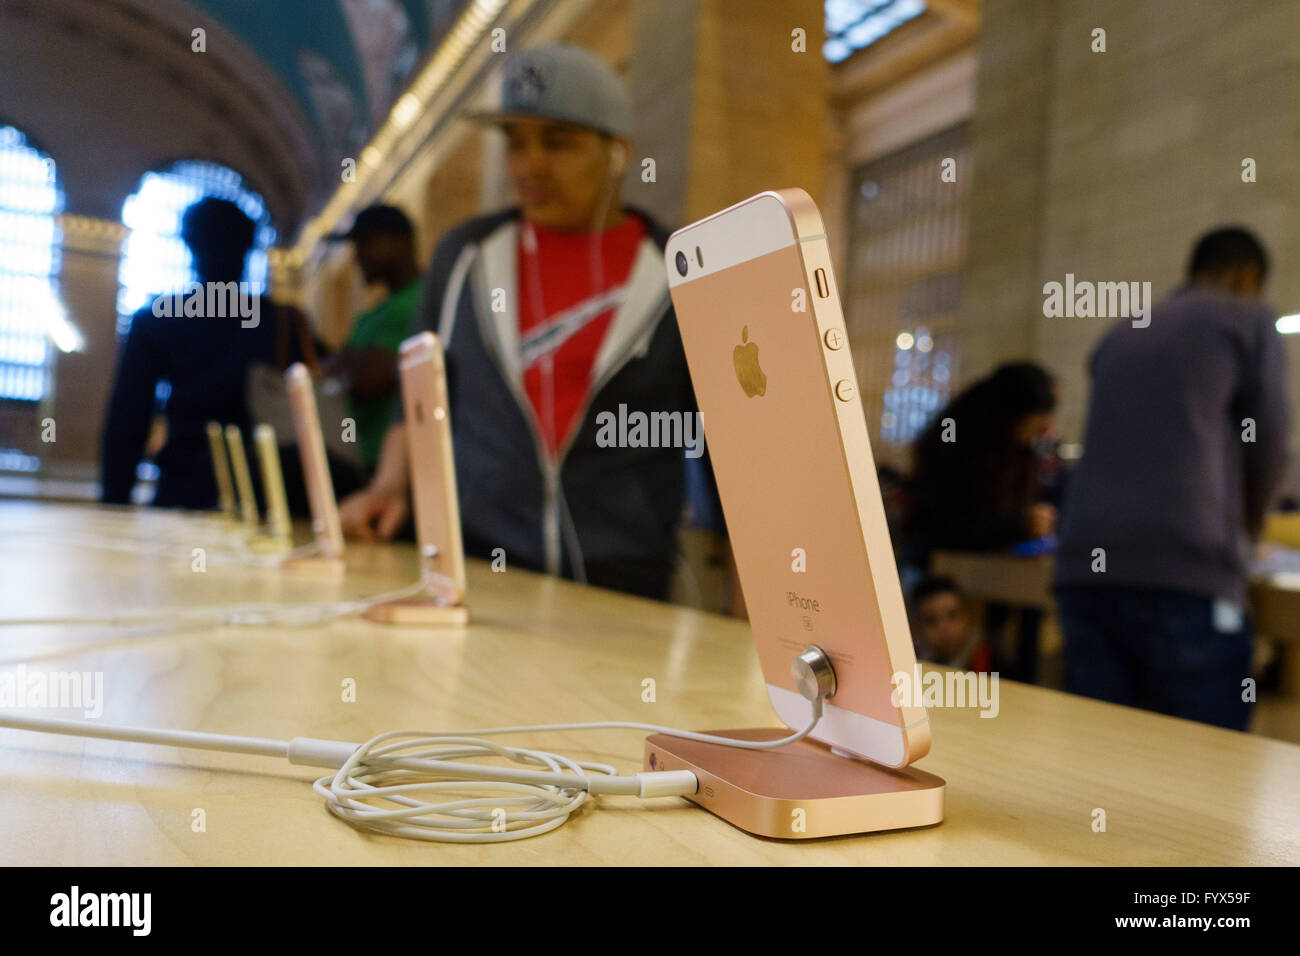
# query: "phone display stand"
269 544
433 490
244 497
278 524
325 526
425 610
800 791
317 565
419 610
221 472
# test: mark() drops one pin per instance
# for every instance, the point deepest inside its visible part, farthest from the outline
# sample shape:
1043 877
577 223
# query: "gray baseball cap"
563 83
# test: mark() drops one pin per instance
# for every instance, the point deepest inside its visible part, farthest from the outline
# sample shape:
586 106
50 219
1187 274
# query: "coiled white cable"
378 784
529 802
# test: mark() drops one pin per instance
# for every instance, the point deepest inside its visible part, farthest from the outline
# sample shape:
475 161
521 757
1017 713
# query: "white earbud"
617 158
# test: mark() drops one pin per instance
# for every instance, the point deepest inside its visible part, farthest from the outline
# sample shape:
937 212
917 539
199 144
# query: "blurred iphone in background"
325 522
433 470
221 470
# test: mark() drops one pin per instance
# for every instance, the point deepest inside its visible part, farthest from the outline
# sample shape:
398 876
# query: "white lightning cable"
235 551
240 615
160 522
377 784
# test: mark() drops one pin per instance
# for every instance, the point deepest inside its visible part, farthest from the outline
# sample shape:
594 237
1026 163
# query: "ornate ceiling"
281 92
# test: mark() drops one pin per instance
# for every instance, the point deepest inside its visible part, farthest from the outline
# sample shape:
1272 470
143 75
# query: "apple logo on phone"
745 357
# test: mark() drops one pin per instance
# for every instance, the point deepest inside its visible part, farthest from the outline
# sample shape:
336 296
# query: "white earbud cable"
240 615
234 550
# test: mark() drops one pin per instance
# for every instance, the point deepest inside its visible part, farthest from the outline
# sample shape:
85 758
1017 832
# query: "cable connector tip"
668 783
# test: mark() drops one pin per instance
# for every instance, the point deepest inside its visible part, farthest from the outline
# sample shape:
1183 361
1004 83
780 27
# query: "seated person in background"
943 628
553 316
975 483
203 358
384 242
976 487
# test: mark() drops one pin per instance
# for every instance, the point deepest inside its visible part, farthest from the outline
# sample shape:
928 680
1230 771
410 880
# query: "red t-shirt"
560 292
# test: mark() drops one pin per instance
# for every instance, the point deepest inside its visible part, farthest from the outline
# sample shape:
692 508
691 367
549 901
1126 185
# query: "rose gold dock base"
800 791
418 611
318 567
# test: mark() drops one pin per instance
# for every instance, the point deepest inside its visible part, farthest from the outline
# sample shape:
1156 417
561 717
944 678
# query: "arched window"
907 249
154 259
31 315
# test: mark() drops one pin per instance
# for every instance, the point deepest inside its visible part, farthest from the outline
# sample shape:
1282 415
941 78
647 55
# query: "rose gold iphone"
765 341
325 522
433 469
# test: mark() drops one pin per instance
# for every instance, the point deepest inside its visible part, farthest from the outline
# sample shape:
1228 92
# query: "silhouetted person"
202 343
1185 445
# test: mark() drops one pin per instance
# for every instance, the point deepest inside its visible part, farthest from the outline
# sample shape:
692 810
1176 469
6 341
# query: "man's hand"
374 513
381 508
1041 520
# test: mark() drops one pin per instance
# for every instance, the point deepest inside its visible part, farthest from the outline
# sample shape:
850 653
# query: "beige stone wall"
1109 165
758 116
1000 293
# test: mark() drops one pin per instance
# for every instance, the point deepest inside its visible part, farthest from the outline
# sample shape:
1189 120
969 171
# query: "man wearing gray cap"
552 313
383 242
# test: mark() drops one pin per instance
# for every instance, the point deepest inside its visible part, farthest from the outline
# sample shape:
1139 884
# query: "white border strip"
867 737
737 234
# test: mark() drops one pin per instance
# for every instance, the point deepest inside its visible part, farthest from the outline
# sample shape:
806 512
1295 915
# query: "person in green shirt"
384 242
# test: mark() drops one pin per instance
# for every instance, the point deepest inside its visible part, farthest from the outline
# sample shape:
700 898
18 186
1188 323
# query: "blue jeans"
1159 650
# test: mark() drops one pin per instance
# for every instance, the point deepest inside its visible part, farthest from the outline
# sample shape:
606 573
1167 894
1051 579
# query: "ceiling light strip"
467 31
